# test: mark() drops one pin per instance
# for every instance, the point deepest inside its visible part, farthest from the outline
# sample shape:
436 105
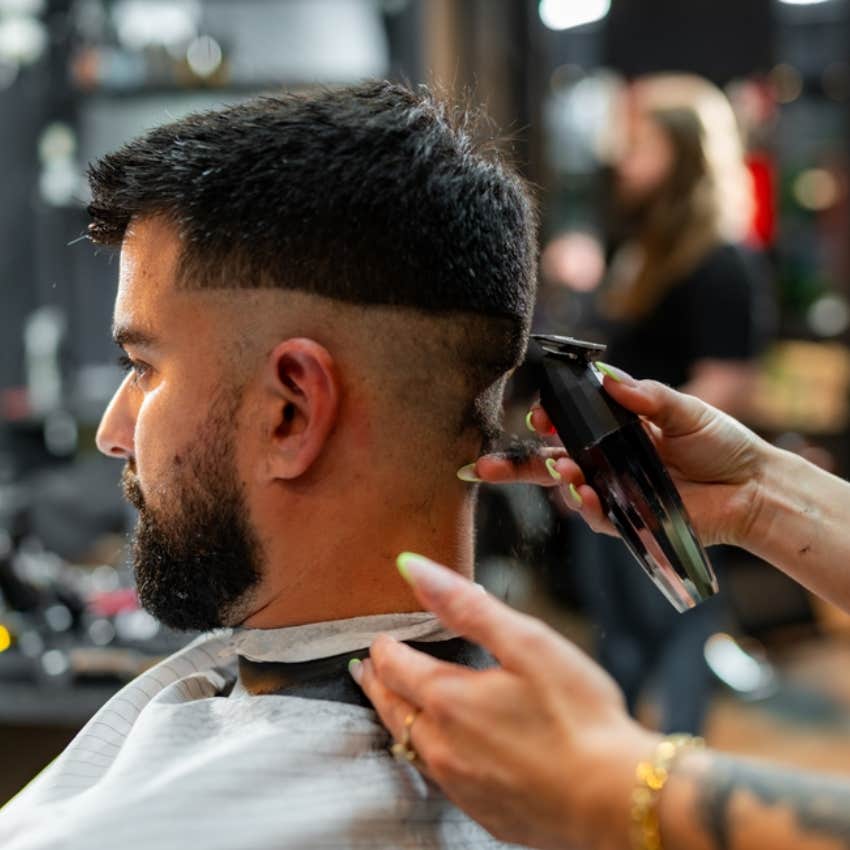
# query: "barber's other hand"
540 750
714 460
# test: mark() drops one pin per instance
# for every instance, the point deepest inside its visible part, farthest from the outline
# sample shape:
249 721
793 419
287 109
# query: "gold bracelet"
651 777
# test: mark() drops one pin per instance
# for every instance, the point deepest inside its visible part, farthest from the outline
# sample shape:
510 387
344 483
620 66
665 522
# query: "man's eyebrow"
124 335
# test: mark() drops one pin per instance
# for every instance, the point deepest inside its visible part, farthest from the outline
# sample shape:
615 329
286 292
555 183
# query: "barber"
540 750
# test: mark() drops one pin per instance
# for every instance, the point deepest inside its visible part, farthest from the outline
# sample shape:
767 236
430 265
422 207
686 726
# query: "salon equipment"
619 461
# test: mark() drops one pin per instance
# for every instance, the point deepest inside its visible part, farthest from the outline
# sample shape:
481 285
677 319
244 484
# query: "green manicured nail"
576 495
401 563
528 420
550 465
355 668
610 371
467 473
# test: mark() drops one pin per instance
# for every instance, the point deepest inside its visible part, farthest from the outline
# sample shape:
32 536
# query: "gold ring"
402 750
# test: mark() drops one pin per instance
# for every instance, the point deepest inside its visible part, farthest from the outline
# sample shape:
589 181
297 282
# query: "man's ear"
304 384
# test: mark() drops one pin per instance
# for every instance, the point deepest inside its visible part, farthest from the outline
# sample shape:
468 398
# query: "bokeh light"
566 14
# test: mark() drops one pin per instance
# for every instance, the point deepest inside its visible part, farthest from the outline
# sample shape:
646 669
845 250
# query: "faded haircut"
373 194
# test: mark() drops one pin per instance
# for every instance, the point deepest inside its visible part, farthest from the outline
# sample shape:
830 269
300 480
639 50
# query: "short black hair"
370 194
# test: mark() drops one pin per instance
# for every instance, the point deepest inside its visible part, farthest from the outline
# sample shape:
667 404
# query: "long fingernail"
402 562
615 374
576 495
355 667
528 420
414 568
467 473
550 465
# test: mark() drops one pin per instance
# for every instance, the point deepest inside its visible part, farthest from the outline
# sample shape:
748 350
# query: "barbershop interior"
594 103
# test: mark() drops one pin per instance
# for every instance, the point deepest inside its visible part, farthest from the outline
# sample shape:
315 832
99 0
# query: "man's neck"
352 572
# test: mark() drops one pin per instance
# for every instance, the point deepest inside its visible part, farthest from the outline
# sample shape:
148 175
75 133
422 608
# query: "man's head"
322 296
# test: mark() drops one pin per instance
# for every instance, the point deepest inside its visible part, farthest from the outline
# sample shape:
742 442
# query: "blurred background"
691 165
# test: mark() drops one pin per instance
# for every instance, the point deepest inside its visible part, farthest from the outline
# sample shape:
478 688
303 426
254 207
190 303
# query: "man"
320 298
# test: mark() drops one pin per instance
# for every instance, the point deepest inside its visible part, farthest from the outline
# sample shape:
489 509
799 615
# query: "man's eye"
137 367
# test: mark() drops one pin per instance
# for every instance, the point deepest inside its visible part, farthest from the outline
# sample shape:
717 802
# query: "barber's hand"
540 751
714 460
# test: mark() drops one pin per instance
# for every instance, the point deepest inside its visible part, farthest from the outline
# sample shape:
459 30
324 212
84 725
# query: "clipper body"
619 461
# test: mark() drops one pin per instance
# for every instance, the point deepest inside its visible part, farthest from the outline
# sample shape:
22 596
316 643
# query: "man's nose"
115 433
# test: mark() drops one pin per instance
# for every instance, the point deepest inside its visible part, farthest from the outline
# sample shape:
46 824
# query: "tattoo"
819 803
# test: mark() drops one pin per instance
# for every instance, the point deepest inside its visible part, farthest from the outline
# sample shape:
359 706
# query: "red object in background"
113 602
15 404
762 169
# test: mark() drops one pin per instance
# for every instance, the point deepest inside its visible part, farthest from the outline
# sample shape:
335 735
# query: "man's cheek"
155 433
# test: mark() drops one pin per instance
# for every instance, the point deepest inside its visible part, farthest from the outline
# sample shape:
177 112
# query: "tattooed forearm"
819 805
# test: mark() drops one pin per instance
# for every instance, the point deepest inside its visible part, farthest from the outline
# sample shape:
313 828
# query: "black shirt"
720 311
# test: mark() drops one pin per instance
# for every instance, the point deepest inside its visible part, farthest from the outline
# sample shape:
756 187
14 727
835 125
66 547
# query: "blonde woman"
681 298
681 306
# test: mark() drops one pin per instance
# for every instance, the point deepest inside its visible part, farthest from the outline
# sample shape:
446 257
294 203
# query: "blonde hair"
705 200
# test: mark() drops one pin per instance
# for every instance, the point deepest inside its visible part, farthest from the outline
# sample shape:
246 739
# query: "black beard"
195 568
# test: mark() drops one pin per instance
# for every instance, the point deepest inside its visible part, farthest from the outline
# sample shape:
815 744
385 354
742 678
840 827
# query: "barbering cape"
185 756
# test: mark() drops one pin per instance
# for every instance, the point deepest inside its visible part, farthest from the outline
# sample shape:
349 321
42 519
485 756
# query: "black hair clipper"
619 461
